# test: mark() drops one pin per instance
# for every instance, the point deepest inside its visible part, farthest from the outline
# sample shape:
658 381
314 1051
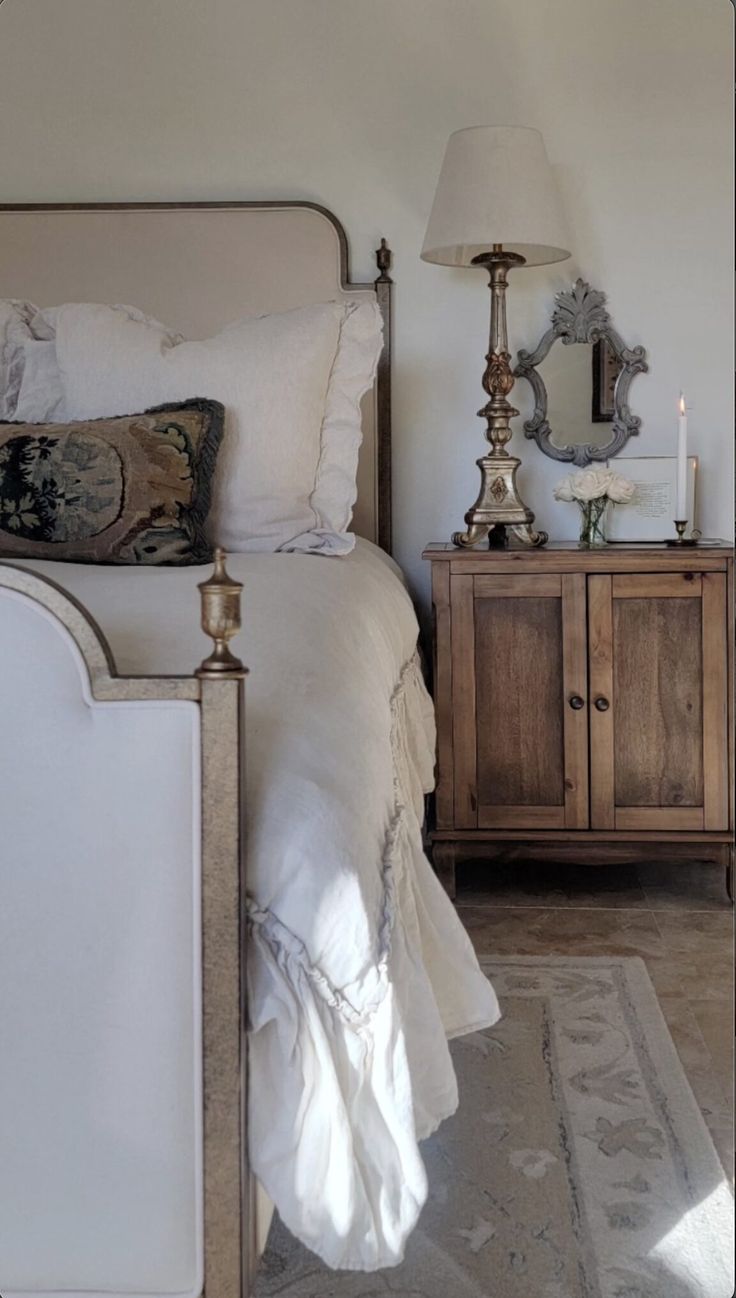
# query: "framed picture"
606 369
650 515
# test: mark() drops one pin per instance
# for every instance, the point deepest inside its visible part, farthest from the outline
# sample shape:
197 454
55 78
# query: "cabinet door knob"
576 702
602 704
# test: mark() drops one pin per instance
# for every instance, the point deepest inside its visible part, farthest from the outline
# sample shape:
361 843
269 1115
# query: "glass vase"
593 523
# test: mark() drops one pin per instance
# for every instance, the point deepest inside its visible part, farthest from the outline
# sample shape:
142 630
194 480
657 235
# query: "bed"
137 921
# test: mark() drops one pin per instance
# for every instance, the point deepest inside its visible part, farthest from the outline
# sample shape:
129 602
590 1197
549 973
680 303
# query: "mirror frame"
580 316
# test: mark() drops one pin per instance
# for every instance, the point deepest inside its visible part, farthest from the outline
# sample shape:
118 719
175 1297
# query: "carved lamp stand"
496 206
499 504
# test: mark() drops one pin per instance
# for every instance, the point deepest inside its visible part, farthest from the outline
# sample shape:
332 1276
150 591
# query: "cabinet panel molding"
600 668
531 586
659 818
575 683
442 676
510 817
715 700
730 679
658 701
463 701
520 747
657 585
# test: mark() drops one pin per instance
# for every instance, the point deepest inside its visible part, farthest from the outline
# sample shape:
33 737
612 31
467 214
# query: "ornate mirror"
581 392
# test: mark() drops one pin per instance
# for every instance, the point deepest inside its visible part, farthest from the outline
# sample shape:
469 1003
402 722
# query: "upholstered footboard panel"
101 1186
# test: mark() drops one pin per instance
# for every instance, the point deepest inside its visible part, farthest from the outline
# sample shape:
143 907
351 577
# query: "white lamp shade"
496 186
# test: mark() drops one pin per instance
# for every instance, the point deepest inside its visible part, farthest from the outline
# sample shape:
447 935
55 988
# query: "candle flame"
682 404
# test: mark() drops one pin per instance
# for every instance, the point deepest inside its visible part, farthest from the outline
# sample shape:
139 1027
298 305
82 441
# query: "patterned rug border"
620 1194
660 1045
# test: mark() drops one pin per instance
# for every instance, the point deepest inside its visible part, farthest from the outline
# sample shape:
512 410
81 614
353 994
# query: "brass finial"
221 620
383 262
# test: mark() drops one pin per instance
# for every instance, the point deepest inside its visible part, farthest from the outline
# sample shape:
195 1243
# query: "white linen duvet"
359 970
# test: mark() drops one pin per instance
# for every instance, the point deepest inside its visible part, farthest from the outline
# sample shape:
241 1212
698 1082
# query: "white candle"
681 502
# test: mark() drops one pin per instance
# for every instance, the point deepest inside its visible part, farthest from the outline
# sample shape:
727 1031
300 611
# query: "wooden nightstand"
583 704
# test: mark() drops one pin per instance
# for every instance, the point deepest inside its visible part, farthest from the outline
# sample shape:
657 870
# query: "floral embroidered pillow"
130 490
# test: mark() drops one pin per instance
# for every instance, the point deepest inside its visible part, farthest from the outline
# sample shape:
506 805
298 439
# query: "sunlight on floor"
681 1249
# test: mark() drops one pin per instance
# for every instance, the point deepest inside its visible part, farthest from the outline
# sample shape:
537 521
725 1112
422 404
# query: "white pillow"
41 395
291 385
15 332
40 399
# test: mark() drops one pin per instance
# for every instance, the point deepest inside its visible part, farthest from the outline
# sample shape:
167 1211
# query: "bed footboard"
123 1161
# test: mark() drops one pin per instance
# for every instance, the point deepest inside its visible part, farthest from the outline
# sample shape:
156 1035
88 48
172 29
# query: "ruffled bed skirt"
340 1096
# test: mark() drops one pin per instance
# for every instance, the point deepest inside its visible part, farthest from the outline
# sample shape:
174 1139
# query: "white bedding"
359 968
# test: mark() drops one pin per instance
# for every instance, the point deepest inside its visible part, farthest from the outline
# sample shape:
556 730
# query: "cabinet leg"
729 872
444 856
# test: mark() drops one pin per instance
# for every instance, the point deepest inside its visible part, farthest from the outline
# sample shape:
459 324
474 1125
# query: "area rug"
577 1166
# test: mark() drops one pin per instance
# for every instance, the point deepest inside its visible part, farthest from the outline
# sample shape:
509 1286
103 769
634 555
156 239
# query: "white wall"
350 102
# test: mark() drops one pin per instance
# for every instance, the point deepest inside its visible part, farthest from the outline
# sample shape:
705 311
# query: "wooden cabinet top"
566 556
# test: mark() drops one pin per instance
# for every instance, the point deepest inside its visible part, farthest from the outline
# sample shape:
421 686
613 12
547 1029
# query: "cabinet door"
658 690
519 687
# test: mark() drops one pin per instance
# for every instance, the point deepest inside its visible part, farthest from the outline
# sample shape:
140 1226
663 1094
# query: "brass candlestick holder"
499 505
681 539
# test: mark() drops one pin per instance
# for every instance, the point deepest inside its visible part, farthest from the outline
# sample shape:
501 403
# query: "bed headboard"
197 266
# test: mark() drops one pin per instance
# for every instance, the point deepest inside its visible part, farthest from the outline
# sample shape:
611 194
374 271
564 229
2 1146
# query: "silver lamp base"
499 505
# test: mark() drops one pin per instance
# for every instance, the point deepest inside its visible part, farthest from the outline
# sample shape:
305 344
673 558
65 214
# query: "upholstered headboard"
197 266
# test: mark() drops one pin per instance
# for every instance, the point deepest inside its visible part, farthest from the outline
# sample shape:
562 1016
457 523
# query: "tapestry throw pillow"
128 490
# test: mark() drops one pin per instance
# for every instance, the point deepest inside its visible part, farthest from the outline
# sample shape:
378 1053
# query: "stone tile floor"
677 918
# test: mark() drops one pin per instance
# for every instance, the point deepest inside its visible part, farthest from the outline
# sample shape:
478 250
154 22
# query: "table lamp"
497 206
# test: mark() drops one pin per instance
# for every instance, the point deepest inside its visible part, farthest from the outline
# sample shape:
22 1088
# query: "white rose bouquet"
594 489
